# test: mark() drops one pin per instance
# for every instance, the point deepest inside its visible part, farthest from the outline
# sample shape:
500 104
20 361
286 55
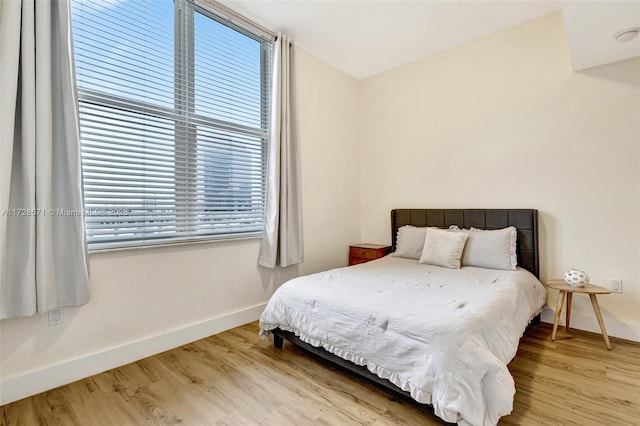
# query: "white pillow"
443 248
410 242
493 249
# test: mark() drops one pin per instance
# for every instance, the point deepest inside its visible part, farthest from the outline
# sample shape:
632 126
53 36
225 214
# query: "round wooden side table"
567 290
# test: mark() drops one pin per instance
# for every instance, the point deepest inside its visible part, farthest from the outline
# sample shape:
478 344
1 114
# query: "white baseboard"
624 330
37 381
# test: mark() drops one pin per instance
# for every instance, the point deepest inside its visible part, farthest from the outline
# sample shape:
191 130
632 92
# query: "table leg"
568 314
558 311
596 309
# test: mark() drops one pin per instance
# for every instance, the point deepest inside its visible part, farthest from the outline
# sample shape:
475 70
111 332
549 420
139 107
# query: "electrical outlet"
616 286
56 317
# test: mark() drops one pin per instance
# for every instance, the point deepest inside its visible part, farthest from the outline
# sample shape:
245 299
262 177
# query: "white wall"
149 300
504 122
330 163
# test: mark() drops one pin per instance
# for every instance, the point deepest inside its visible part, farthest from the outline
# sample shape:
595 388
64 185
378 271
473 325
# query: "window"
174 115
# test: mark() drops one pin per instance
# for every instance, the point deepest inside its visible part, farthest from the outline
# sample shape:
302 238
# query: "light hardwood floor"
235 378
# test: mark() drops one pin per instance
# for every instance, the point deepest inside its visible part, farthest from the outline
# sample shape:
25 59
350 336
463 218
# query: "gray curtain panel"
282 242
43 259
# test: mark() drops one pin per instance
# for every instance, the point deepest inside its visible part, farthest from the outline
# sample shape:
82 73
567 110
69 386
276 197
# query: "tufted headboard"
525 220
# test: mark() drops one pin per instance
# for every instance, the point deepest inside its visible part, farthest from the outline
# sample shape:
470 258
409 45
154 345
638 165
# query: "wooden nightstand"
566 289
361 253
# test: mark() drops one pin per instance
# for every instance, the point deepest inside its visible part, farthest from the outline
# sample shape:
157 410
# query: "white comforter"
443 335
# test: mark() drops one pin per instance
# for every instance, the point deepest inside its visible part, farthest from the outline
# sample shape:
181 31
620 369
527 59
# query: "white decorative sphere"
576 278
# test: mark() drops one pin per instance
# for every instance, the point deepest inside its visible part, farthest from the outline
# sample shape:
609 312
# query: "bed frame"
525 220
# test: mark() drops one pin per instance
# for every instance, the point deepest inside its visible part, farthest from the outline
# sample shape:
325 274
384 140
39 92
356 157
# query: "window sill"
160 245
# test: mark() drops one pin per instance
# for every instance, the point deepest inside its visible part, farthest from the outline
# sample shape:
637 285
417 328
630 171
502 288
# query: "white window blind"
174 109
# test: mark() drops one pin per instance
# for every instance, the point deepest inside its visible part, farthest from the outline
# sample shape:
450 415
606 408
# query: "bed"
442 336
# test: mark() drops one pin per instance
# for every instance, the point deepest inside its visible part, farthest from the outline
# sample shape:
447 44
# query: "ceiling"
590 26
366 37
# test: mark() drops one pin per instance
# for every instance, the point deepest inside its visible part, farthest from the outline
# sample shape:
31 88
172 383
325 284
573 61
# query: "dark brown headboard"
525 220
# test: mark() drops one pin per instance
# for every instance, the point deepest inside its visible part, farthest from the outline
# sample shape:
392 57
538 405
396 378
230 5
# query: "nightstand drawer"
362 253
357 261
